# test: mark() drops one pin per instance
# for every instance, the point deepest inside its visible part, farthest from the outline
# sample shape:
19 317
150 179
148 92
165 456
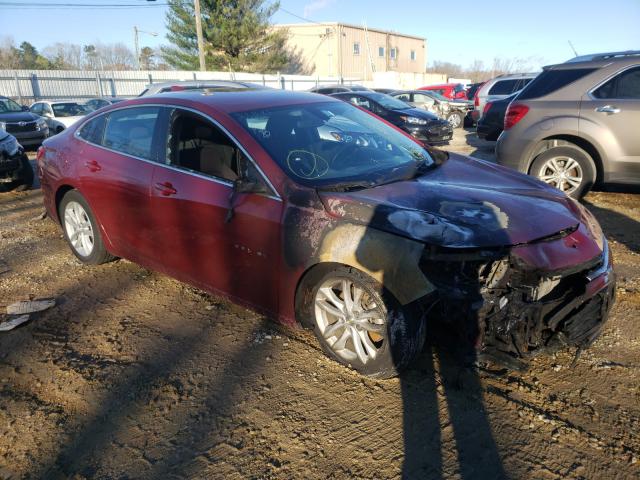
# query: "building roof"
349 25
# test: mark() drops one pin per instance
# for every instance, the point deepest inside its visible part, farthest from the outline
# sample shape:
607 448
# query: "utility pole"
136 32
196 5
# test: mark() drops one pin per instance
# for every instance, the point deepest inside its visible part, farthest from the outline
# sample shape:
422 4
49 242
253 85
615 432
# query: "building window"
393 53
413 55
356 48
381 51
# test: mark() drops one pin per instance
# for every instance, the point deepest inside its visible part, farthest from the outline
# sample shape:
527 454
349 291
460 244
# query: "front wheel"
567 168
81 230
455 119
361 325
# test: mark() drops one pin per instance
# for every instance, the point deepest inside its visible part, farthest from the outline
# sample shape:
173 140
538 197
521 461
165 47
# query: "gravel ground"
135 375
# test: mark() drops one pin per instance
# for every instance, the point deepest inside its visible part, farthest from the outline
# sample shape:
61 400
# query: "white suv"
498 88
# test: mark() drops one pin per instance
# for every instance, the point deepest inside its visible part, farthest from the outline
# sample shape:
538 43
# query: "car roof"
598 60
237 100
604 56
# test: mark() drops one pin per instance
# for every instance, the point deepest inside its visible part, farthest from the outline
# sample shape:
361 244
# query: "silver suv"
577 123
498 88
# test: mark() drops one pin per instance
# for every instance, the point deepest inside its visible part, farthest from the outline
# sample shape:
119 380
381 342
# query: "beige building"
349 51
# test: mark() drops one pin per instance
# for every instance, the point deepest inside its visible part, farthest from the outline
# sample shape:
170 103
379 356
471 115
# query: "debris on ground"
30 306
13 323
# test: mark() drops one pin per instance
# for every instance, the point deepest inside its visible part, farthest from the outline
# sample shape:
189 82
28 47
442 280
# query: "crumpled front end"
514 303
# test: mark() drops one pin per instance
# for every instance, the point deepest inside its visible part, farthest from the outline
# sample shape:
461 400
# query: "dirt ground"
135 375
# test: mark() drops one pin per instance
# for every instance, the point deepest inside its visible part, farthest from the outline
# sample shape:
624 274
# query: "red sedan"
316 212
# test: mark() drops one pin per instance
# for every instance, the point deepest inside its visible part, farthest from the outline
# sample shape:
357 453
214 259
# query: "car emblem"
22 124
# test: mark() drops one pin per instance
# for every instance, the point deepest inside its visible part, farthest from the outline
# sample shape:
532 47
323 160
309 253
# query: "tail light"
486 108
515 113
476 99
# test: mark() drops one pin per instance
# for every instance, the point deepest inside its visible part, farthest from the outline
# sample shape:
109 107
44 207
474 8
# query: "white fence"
26 86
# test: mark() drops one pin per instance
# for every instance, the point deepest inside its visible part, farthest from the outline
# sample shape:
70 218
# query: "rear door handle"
165 188
608 109
92 165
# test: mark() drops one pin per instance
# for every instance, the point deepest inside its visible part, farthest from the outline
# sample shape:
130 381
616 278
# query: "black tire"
564 153
99 253
455 119
399 340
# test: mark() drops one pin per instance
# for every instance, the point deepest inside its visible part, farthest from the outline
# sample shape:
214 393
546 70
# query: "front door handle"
92 165
165 188
608 109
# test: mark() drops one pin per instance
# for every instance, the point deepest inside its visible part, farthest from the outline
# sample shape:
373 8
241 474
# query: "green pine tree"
236 36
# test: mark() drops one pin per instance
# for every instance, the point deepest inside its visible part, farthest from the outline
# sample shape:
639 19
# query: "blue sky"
459 31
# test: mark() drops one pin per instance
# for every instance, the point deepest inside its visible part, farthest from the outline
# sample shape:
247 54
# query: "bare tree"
65 55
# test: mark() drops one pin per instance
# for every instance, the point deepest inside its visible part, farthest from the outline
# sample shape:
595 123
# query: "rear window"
503 87
551 80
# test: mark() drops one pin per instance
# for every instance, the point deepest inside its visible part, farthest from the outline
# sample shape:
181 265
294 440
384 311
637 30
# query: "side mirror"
25 108
240 185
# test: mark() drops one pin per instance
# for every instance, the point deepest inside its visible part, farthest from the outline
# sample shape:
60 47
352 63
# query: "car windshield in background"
388 102
68 109
334 145
7 105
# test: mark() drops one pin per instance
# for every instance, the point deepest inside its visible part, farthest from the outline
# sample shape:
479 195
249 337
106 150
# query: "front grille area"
499 308
20 127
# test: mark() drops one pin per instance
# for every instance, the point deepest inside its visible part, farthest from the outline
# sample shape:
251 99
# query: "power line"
49 5
299 17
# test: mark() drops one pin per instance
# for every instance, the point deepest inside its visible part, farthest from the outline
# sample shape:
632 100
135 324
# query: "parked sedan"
491 122
424 126
316 212
59 115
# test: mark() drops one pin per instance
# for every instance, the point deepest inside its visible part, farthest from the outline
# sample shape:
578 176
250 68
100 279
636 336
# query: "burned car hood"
463 202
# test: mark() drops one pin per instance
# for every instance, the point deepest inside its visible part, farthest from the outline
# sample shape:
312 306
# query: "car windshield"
388 101
334 145
68 109
7 106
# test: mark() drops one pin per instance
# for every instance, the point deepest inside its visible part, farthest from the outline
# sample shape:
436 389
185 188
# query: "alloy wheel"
78 228
563 173
350 320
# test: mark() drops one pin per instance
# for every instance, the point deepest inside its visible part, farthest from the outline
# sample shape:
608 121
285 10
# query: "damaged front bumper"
513 304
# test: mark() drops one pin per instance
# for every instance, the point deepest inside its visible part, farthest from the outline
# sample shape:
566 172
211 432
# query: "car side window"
93 130
503 87
196 145
405 97
624 85
131 131
423 99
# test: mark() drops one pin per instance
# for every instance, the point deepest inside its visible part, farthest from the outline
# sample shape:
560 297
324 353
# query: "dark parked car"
472 89
386 91
96 103
28 128
15 169
338 88
423 125
316 212
491 122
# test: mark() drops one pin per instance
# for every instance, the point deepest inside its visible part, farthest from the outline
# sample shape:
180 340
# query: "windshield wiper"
348 186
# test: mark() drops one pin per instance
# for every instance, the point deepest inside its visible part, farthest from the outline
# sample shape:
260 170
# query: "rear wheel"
361 325
81 230
567 168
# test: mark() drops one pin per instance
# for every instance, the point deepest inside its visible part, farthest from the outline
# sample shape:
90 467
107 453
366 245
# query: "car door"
615 108
198 238
115 170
